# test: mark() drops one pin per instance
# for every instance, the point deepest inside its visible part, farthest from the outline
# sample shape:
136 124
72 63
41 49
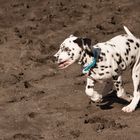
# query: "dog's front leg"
94 95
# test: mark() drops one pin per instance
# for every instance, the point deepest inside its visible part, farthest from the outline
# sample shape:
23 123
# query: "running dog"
105 61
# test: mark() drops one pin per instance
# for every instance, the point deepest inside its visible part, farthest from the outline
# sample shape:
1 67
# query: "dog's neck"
85 58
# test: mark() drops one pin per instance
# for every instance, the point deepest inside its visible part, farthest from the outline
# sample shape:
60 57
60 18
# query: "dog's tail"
127 31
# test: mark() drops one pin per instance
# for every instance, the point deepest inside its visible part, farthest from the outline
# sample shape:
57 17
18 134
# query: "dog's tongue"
64 65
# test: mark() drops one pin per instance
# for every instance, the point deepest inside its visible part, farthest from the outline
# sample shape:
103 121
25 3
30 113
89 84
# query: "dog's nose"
55 58
60 60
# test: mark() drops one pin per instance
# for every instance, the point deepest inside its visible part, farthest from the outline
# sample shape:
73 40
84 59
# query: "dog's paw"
128 108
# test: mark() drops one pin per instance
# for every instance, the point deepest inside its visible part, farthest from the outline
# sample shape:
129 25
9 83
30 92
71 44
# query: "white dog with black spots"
105 61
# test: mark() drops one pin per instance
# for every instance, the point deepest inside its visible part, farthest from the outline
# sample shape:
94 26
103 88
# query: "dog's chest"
103 70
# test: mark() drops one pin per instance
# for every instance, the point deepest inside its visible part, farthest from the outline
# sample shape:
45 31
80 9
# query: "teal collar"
87 68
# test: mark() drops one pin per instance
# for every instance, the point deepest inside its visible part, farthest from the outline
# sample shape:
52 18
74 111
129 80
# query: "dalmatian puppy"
105 61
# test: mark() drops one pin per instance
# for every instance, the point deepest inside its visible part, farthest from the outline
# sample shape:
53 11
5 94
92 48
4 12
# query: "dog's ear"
83 42
79 42
87 41
87 45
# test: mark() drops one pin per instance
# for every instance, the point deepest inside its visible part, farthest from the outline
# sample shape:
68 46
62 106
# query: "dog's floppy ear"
83 42
87 44
87 41
79 42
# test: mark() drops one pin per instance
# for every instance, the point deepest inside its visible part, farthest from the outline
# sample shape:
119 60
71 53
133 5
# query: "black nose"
55 58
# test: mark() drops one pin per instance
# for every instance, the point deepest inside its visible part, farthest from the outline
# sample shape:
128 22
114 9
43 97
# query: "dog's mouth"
64 64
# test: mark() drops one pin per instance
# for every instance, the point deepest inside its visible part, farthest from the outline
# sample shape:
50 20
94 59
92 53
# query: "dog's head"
70 50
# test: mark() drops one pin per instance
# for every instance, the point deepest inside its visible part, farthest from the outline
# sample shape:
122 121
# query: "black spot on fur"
122 65
137 44
101 74
82 63
117 54
117 89
100 58
102 66
115 77
127 51
116 85
127 43
86 60
138 88
118 82
116 70
90 86
107 72
72 57
130 40
132 57
82 60
119 61
102 53
127 58
112 45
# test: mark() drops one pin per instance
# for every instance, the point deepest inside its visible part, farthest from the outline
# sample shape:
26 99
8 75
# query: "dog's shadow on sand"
110 99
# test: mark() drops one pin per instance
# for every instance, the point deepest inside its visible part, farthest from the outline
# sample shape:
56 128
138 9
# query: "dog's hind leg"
120 89
136 82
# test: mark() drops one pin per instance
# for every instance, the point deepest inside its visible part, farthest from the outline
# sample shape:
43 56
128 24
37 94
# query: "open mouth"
64 64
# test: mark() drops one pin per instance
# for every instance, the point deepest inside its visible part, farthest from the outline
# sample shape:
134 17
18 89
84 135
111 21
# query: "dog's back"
127 46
